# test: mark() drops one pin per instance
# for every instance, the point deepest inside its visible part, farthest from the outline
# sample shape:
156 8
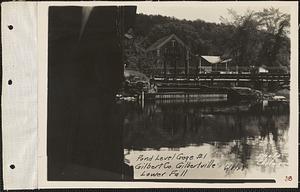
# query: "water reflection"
242 133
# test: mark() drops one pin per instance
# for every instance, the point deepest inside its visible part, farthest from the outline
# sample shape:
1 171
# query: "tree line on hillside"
256 38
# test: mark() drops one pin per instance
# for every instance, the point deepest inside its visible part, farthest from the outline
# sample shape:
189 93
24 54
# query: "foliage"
259 38
263 34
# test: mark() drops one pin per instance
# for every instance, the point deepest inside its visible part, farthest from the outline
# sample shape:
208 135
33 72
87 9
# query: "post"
165 69
143 99
187 63
200 64
175 67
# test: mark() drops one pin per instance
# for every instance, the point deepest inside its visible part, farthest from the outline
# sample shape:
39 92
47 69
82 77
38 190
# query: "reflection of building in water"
237 133
222 123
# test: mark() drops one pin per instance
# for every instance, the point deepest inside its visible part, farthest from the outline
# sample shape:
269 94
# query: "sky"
206 12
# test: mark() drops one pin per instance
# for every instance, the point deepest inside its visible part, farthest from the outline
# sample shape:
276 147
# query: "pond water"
242 139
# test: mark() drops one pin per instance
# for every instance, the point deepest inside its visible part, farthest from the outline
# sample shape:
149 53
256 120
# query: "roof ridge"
160 42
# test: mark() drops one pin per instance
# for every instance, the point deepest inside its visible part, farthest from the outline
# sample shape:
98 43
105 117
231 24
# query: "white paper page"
19 99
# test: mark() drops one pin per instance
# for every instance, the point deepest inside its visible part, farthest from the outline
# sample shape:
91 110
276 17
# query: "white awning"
226 60
212 59
215 59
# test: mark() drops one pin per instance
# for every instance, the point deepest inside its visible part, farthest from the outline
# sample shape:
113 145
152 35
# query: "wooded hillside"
253 39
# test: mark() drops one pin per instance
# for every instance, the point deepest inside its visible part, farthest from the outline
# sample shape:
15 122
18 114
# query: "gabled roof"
161 42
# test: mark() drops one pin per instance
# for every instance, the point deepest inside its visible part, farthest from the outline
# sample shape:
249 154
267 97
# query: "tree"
253 38
273 21
260 37
244 42
276 27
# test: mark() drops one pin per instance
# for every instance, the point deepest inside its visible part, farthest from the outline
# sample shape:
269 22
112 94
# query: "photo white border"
42 102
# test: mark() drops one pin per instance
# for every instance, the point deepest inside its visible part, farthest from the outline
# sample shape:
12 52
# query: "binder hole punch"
9 82
12 166
10 27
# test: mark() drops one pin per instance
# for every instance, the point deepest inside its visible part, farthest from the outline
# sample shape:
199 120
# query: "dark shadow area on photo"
85 70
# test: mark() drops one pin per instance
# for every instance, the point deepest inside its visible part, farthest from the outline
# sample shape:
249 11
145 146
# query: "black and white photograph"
169 93
132 94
